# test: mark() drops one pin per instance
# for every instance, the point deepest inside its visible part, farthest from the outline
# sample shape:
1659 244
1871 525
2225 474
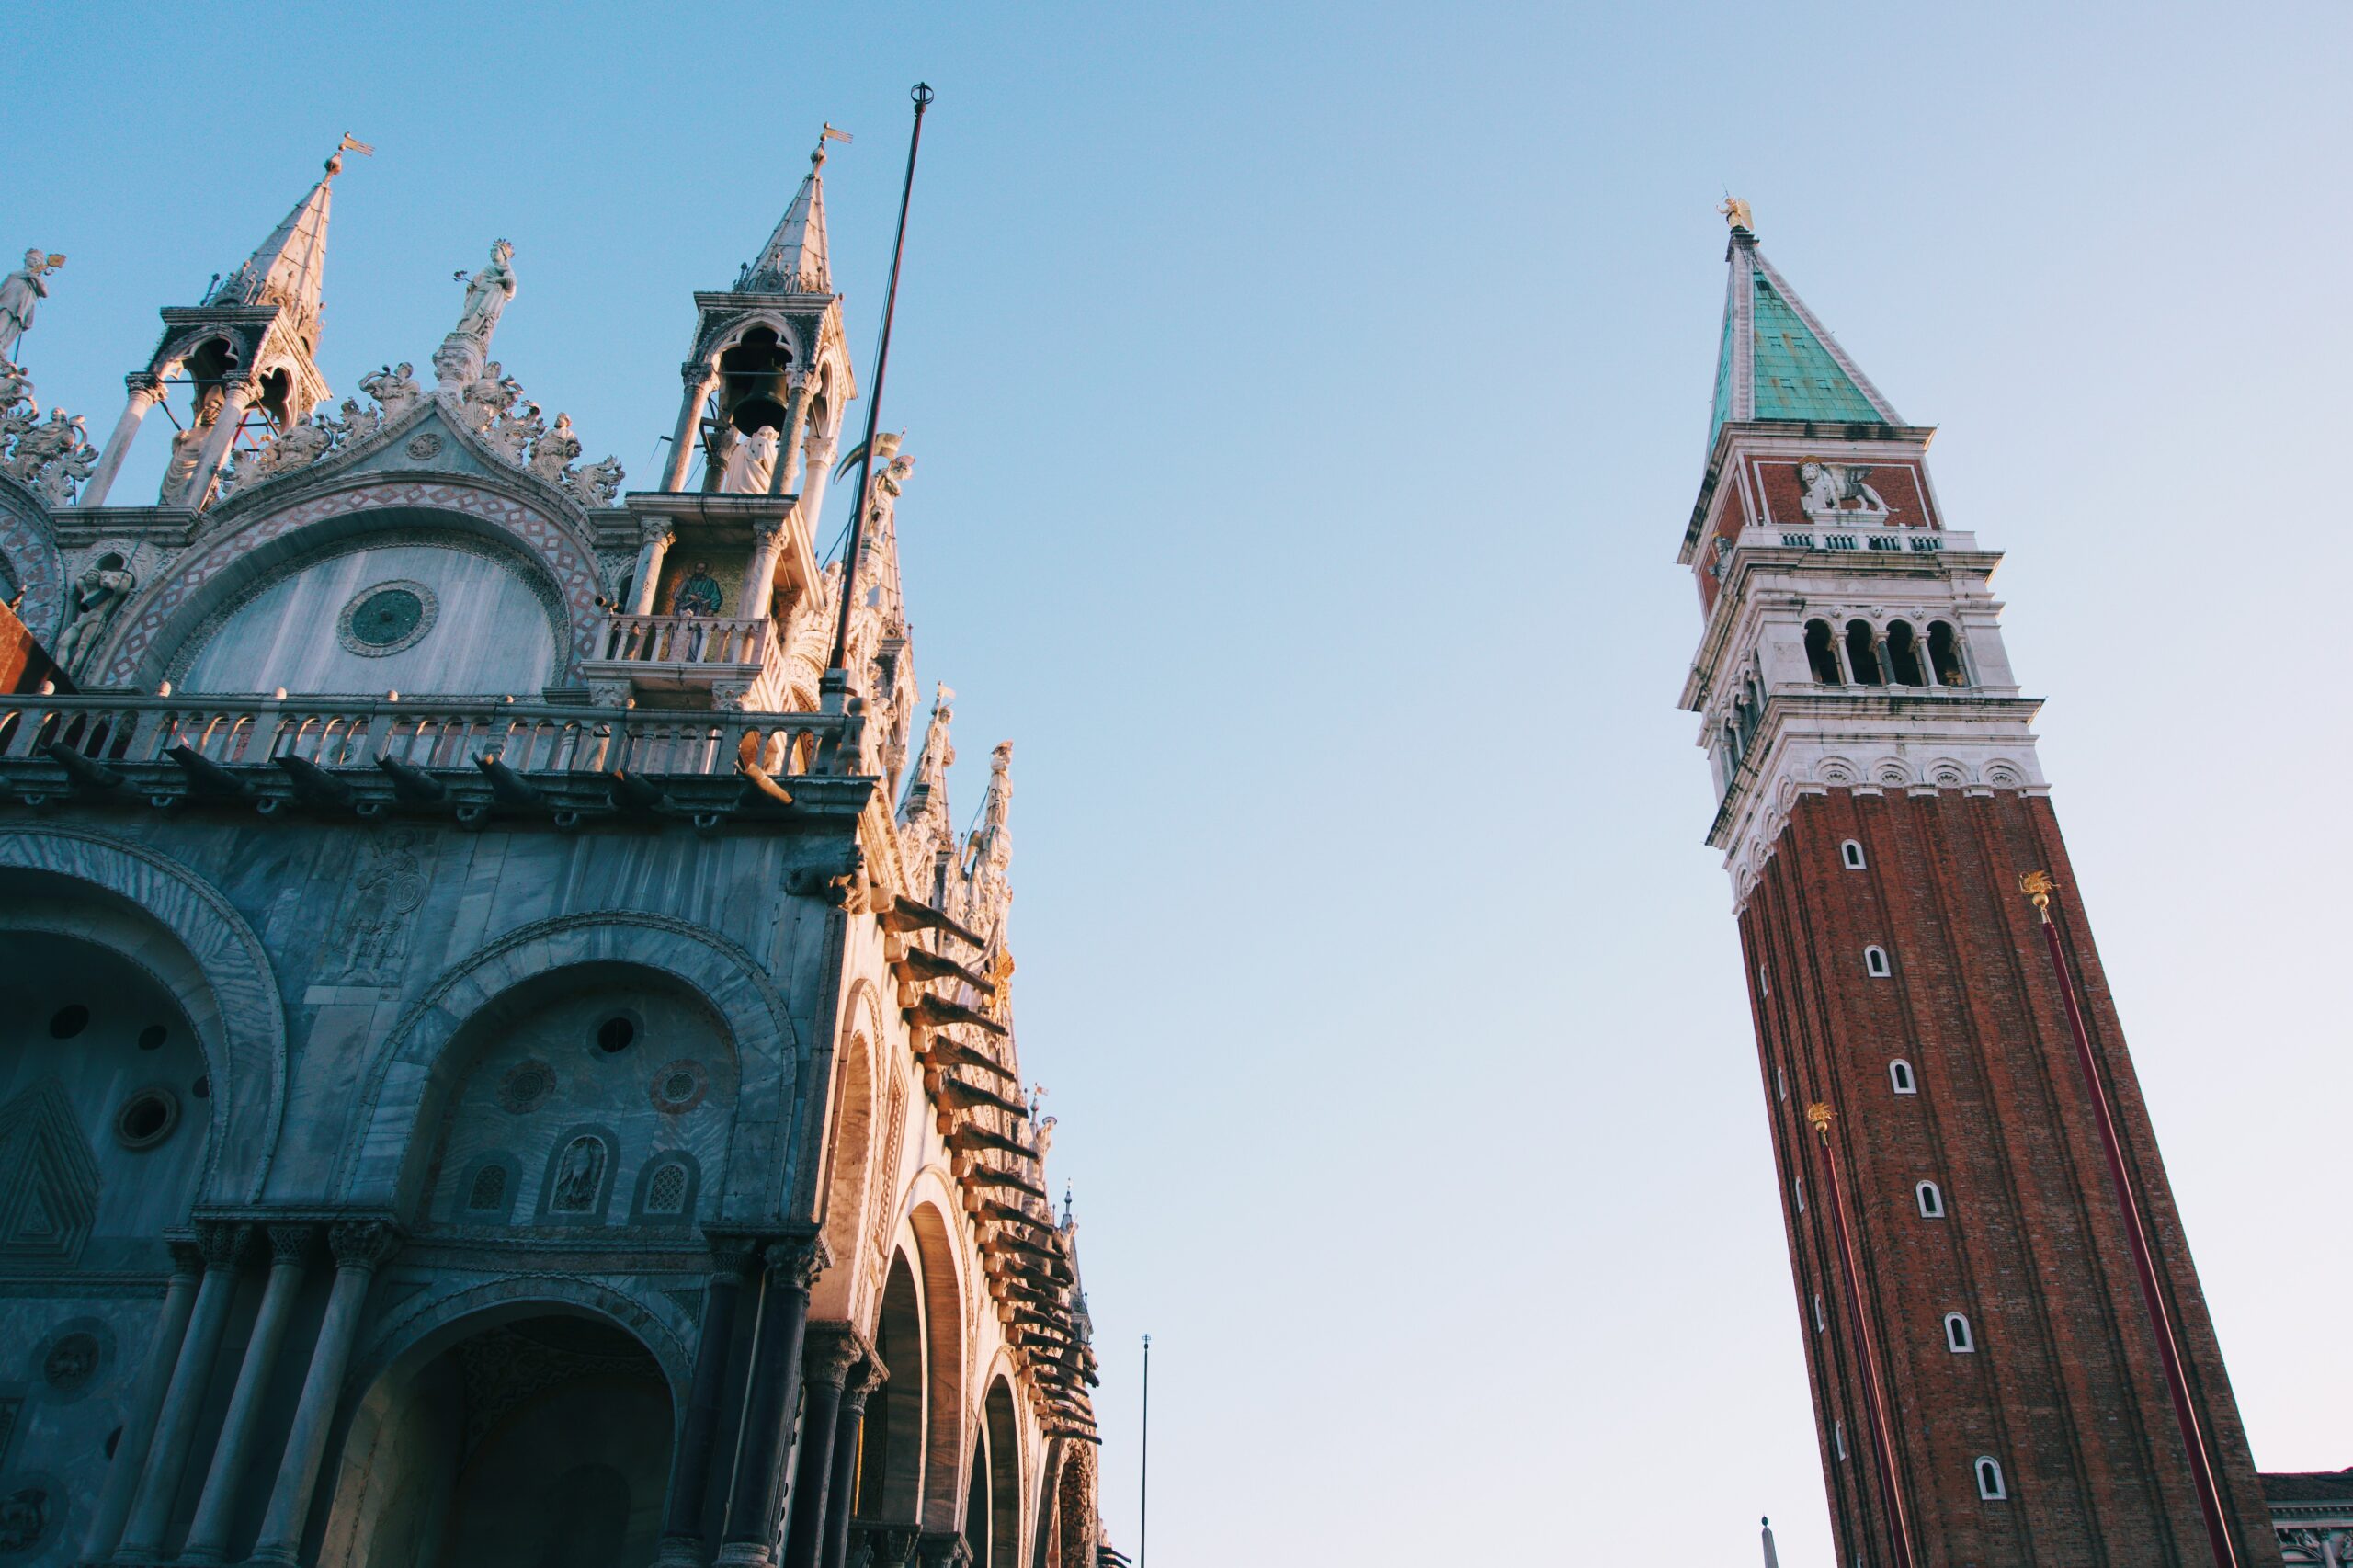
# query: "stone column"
715 1378
146 392
759 577
821 445
159 1485
208 1537
700 380
833 1348
236 395
792 1267
139 1421
358 1246
841 1492
796 430
654 535
893 1546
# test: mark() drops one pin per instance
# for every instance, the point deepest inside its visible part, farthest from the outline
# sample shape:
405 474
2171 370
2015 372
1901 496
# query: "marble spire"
290 269
793 261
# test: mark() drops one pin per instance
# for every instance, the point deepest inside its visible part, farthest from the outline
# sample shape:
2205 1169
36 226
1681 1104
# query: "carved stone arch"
2003 774
1947 773
1891 770
228 992
1837 770
847 1161
209 578
420 1325
29 554
383 1158
937 1221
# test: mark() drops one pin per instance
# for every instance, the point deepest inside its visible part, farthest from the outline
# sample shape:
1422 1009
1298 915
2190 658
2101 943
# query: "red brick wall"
2064 1388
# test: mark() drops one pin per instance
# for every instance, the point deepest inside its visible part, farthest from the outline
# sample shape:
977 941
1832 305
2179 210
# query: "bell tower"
1969 1179
246 354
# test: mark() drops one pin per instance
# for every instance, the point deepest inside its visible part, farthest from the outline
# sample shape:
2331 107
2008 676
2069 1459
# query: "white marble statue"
489 395
751 463
91 602
516 430
487 292
45 456
597 484
15 385
297 446
19 292
1830 486
188 446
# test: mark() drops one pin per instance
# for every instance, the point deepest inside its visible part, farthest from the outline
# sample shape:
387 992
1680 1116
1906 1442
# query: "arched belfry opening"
754 383
524 1436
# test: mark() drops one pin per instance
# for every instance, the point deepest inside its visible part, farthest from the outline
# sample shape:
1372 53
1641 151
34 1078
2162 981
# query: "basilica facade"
505 1055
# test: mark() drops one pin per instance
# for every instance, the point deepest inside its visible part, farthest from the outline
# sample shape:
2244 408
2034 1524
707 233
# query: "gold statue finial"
1820 1114
2038 888
1735 213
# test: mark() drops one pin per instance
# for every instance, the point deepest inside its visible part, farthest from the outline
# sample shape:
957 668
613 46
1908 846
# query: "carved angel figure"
750 464
554 452
1829 486
92 602
393 388
489 395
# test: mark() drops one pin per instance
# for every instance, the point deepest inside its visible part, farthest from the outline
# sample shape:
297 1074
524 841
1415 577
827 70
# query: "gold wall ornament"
1821 1116
2038 888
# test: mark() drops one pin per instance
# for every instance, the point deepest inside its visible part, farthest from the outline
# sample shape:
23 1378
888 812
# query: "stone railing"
531 738
689 640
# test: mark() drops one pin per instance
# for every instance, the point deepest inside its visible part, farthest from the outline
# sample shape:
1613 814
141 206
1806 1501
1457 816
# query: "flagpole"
923 96
1143 1486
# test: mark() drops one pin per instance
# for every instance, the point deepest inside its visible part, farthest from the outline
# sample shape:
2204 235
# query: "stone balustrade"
689 640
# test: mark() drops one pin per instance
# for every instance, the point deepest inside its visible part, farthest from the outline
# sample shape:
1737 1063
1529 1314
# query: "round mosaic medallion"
147 1117
678 1087
526 1085
387 618
423 444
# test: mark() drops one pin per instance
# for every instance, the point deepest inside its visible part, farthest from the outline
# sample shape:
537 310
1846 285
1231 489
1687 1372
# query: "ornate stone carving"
425 444
52 457
579 1175
188 446
25 1514
553 453
597 484
832 1350
487 293
1829 489
71 1362
487 396
394 389
518 429
292 1243
91 605
526 1087
224 1242
795 1262
387 888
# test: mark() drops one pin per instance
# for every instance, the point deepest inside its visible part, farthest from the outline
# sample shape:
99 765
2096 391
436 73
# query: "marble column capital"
292 1243
733 1257
145 384
223 1243
865 1380
795 1262
834 1350
891 1546
187 1258
943 1549
362 1244
656 531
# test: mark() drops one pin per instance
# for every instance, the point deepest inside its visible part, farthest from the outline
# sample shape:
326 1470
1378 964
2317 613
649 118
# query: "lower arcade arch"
534 1433
890 1464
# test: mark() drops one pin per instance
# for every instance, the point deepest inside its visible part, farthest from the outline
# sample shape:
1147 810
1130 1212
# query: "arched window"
488 1193
1944 654
1862 653
1932 1201
1904 654
1899 1073
1820 656
1957 1336
1875 962
667 1189
1850 854
1989 1479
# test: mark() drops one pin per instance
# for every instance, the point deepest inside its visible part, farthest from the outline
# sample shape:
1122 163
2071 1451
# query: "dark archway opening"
1862 653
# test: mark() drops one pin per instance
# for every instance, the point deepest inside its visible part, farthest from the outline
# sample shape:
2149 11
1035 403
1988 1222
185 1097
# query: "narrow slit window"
1850 854
1781 1080
1838 1439
1932 1201
1989 1479
1798 1187
1958 1338
1820 1322
1875 962
1899 1073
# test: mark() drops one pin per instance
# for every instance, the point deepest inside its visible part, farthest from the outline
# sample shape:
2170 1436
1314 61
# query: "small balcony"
729 661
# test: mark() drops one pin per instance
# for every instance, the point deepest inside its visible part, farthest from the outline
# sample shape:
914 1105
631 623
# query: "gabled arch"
211 962
207 579
383 1156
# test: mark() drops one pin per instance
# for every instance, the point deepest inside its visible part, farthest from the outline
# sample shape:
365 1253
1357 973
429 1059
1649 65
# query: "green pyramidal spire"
1778 362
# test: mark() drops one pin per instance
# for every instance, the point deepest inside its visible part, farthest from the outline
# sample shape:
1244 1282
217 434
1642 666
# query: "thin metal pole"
1890 1490
1143 1486
923 96
2039 888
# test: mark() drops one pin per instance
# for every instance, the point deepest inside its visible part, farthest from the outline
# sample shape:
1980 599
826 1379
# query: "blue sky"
1308 402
